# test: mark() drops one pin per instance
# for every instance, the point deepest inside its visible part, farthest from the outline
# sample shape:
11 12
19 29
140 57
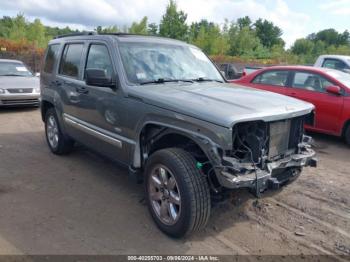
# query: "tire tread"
200 201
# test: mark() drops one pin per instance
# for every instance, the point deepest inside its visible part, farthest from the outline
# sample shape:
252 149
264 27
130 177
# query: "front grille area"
20 101
257 140
20 90
279 134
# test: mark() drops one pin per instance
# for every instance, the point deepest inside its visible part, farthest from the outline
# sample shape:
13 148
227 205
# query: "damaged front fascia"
233 173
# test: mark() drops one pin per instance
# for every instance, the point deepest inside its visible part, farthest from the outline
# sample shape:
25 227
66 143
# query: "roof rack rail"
76 34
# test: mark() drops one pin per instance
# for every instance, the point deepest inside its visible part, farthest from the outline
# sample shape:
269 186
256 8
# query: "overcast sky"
297 18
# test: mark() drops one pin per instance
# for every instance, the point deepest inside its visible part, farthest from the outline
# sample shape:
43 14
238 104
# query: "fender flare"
209 147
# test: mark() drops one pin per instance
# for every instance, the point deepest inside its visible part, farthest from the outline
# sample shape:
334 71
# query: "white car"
18 85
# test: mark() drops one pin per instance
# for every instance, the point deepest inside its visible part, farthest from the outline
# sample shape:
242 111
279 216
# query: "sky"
297 18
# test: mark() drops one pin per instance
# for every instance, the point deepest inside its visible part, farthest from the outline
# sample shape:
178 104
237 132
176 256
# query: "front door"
272 80
311 87
104 109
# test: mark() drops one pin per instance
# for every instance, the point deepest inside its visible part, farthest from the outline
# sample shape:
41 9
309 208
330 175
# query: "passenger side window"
275 78
310 81
51 58
71 60
334 64
98 58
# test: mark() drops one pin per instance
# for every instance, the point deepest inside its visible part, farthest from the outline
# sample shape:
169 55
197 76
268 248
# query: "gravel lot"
85 204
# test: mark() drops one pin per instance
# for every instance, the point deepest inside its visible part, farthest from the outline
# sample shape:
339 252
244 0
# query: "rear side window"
98 58
334 64
310 81
70 61
275 78
51 58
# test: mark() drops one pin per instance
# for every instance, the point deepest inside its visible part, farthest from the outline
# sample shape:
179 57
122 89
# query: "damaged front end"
266 154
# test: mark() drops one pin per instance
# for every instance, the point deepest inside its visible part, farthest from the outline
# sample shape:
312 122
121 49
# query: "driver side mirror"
98 77
346 70
335 90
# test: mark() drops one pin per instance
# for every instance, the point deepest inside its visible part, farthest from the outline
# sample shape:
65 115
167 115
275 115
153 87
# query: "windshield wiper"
162 80
202 79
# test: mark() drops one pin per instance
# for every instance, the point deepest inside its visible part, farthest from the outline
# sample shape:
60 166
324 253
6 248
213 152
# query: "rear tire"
58 143
172 174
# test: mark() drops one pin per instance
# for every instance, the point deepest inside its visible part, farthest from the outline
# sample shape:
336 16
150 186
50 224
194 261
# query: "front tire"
177 192
59 144
347 135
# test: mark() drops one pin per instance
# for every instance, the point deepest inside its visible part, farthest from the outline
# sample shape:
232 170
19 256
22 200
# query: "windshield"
344 78
14 69
148 62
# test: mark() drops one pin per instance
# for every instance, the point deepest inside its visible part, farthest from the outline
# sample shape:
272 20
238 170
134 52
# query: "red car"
328 90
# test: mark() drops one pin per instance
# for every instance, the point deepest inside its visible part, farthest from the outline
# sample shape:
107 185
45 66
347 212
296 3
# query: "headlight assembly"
2 91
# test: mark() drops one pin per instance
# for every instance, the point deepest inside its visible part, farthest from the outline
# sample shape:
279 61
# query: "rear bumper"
273 176
18 100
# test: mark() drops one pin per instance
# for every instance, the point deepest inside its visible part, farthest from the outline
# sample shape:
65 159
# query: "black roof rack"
96 33
121 34
76 34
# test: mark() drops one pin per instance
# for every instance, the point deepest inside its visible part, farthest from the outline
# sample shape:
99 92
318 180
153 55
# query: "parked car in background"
230 71
250 69
160 107
327 89
337 62
18 85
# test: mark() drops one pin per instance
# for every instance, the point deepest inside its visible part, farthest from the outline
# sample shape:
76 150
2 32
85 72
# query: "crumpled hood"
222 104
8 82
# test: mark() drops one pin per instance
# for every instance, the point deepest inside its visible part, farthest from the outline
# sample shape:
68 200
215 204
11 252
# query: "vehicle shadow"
15 110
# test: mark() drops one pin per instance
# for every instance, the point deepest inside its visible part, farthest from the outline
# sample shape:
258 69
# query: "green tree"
268 33
173 23
328 36
209 37
344 38
244 22
243 42
107 30
152 29
139 28
302 46
6 25
18 29
36 33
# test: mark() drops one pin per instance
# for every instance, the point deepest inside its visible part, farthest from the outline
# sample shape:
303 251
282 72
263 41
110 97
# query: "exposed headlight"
2 91
37 90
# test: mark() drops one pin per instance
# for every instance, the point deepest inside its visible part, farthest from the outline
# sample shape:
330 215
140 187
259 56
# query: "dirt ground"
85 204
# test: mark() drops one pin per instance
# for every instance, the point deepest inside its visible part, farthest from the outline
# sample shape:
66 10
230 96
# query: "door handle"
82 90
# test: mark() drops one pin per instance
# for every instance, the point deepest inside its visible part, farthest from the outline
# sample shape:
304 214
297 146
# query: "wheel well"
45 105
156 137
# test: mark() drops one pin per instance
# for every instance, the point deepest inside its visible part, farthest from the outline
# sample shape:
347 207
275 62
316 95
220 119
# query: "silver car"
18 85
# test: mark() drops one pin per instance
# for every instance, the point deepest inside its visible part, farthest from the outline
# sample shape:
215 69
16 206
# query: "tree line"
242 39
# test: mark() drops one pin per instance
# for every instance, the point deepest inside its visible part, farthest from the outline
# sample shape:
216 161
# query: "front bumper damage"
234 174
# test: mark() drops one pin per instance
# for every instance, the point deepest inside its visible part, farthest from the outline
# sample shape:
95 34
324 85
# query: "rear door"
272 80
69 78
311 87
47 73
